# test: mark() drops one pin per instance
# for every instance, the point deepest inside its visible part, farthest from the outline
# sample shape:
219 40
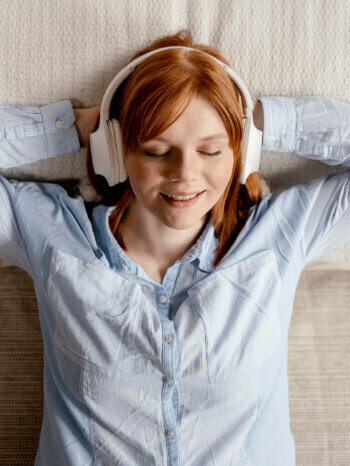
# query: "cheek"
141 177
221 175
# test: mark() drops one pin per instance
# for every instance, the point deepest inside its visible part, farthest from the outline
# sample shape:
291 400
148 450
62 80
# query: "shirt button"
169 381
277 144
171 433
163 299
169 338
59 124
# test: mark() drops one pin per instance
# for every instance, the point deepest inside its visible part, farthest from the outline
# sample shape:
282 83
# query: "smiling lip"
183 194
184 203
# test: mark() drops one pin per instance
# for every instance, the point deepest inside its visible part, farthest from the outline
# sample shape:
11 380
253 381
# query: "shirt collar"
202 253
204 249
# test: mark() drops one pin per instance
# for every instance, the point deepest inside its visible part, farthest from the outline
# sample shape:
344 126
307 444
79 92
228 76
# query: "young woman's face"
185 166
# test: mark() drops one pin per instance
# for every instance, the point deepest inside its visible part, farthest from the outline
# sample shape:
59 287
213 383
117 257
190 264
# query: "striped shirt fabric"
191 371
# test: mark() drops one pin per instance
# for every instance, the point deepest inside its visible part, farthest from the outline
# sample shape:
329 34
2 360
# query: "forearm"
316 128
31 133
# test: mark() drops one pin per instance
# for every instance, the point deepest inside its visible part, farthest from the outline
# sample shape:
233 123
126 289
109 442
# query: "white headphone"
106 143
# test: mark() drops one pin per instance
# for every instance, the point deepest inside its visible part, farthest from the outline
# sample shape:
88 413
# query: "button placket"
169 338
171 433
170 411
163 299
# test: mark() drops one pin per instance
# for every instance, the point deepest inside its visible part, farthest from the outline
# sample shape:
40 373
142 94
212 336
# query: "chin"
184 224
180 225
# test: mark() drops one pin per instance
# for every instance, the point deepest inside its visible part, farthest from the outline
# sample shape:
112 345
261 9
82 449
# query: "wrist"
86 121
258 115
78 125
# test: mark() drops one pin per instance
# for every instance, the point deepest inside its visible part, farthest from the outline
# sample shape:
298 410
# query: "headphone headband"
106 143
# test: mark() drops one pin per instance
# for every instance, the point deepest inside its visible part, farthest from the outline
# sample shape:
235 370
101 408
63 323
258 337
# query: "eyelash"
211 154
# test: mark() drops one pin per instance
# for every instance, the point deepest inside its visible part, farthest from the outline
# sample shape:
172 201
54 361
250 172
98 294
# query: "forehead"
200 121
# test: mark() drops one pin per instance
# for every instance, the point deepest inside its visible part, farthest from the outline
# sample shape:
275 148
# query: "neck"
146 237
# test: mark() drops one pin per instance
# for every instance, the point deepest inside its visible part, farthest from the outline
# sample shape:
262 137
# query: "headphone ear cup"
115 134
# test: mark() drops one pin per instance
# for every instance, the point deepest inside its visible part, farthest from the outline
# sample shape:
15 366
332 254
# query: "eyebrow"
207 138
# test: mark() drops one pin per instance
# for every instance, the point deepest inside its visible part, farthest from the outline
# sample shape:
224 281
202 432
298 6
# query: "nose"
183 166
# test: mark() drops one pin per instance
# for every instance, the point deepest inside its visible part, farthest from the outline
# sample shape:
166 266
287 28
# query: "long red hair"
151 99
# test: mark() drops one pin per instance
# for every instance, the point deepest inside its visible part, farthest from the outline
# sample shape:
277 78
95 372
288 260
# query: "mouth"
183 194
182 203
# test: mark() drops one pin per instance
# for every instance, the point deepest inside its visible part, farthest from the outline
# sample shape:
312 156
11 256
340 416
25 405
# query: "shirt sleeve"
316 213
28 134
315 128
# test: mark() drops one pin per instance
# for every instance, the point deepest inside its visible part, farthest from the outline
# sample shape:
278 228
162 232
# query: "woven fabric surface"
319 366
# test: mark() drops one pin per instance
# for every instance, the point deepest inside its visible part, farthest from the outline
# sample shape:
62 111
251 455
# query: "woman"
165 323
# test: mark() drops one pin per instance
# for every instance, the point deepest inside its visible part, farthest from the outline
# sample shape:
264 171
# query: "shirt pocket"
96 314
237 306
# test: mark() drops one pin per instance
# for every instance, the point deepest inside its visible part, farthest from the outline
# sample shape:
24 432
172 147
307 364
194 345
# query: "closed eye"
211 154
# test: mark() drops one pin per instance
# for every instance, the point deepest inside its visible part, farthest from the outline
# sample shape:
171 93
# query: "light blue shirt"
192 371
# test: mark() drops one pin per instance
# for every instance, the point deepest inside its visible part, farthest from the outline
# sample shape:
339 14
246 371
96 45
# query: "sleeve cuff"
61 134
280 120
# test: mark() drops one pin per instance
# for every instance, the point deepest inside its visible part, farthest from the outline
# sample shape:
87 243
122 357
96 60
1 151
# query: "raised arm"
28 134
316 128
314 217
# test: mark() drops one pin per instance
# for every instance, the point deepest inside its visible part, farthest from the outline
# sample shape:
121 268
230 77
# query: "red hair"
144 113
